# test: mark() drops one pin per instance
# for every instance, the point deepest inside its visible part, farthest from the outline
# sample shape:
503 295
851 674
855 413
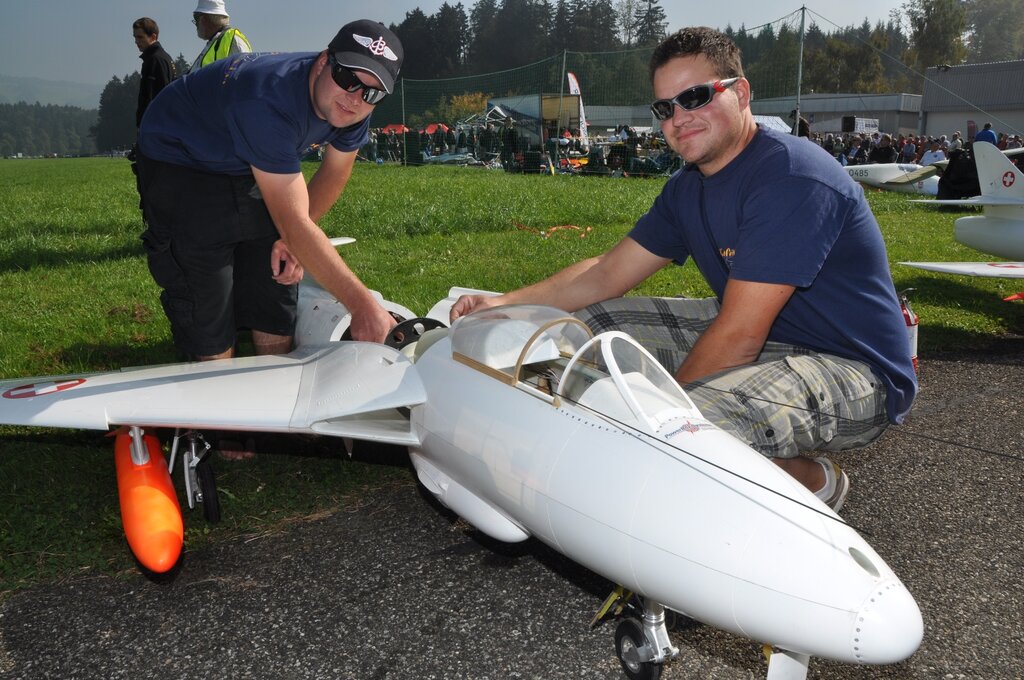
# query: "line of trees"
115 124
495 35
52 130
37 130
498 35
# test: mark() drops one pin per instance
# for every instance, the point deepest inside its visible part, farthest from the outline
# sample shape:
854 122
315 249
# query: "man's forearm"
323 194
314 250
609 275
716 351
329 181
570 289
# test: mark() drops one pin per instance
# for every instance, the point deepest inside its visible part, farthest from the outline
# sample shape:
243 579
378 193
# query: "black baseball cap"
366 45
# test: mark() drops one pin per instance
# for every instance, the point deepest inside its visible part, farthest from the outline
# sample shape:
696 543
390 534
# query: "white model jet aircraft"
999 230
907 178
525 424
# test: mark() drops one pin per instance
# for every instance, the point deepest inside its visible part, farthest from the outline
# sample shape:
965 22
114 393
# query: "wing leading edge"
1001 270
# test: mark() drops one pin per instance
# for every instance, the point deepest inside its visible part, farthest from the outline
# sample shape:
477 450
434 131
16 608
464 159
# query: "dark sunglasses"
691 99
349 81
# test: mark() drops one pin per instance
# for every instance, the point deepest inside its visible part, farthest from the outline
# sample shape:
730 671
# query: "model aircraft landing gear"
642 645
200 485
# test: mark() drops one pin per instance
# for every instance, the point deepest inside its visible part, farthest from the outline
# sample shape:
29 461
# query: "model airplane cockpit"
554 356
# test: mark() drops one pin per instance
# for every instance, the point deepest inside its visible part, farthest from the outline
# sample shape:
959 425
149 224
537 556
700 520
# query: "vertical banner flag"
574 88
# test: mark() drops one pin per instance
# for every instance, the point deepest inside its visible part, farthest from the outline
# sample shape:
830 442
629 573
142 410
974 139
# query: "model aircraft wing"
921 173
1006 270
974 201
349 389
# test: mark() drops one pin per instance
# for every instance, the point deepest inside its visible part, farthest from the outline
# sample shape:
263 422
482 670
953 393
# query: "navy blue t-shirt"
242 111
785 212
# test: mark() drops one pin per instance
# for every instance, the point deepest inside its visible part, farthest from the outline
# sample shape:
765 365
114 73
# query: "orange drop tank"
149 505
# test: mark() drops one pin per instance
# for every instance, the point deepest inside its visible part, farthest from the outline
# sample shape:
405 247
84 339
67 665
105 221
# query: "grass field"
75 295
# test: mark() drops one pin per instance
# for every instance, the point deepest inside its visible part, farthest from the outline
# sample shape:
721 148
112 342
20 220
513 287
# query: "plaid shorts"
789 400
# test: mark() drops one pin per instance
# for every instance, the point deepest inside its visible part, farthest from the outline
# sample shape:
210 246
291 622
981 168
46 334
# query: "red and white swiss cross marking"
1008 179
42 389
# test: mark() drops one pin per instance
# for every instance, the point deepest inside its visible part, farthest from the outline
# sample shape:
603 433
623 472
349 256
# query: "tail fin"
998 177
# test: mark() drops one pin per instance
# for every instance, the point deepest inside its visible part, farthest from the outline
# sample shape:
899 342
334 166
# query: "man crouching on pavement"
804 347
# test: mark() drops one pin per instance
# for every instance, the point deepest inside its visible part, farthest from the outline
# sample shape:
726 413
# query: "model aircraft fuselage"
604 460
907 178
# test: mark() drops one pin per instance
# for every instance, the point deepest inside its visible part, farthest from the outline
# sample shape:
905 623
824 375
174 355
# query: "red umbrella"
397 127
432 128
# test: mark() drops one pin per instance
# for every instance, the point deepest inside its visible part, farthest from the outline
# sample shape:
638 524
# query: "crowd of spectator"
881 147
624 151
477 142
619 151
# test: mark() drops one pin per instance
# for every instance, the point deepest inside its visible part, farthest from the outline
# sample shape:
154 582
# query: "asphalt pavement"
397 587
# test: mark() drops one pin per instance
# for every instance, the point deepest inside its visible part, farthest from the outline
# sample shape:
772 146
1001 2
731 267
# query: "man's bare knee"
268 343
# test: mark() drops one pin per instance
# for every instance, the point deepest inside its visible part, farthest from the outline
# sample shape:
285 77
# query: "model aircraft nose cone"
888 628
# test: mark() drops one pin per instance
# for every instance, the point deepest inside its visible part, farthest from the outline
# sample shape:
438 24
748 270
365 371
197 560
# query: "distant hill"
32 90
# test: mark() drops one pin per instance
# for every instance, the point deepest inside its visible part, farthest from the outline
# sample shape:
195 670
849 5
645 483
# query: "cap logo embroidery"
377 47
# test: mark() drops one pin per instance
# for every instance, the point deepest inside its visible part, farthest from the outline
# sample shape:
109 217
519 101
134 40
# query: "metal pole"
561 97
405 145
800 70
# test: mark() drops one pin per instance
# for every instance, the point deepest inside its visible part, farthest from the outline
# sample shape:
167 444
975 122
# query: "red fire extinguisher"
912 324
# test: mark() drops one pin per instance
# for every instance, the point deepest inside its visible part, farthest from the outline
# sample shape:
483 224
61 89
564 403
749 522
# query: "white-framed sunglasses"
691 98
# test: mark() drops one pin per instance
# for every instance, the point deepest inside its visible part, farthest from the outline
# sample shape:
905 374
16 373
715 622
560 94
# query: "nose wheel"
641 638
634 652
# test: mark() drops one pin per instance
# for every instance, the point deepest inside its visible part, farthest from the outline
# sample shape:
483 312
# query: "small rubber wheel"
208 487
410 330
629 638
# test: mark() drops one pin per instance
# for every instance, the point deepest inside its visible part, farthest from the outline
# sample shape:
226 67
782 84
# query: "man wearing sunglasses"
231 221
804 347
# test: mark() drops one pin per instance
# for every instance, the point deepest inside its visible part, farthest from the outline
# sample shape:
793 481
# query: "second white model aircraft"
907 178
999 230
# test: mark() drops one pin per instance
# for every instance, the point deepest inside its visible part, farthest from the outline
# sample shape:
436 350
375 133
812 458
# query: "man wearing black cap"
231 222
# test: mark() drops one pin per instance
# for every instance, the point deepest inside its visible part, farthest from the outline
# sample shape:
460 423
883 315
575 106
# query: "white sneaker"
837 485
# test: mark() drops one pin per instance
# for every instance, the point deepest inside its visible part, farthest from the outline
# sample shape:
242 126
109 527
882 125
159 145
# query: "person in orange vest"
212 25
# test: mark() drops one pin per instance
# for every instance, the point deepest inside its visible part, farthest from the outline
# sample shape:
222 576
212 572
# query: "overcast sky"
89 41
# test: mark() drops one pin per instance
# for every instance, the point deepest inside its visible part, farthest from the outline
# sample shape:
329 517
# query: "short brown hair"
148 26
715 46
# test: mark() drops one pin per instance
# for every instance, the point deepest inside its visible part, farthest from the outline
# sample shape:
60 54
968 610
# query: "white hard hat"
211 7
